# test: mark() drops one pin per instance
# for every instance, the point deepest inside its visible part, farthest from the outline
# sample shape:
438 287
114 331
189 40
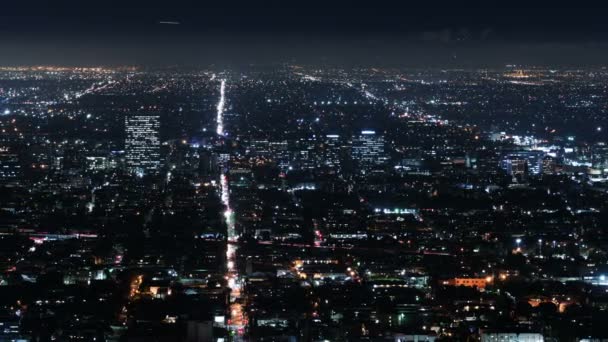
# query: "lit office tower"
331 151
10 168
522 163
514 166
142 144
368 149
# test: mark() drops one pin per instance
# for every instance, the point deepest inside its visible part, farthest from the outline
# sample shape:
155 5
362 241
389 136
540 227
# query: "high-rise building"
515 166
10 167
99 163
259 147
142 144
280 152
599 155
549 165
208 164
368 149
305 155
331 151
522 162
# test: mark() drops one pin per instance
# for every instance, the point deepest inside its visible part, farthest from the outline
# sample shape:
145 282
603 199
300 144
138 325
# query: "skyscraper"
368 149
142 144
331 151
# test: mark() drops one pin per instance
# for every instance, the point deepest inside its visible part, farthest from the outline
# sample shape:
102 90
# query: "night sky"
425 33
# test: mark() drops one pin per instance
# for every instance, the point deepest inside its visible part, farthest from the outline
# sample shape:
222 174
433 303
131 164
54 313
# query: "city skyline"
303 171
